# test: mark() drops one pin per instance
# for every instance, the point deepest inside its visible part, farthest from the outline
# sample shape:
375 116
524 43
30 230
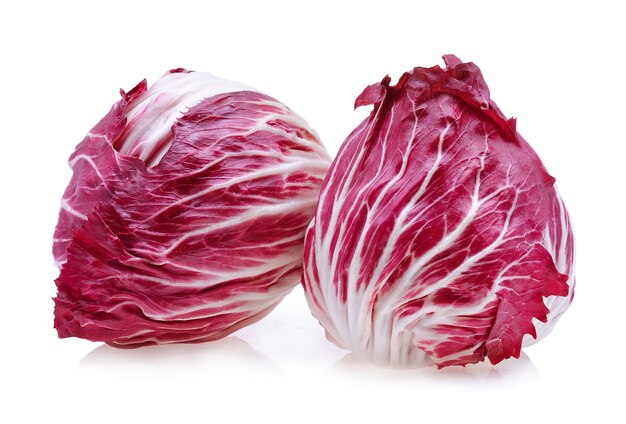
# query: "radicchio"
185 216
439 237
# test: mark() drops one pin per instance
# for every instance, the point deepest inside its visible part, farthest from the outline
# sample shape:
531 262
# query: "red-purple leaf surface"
185 216
439 236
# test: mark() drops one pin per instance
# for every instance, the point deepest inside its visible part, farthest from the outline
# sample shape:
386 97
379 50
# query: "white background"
559 68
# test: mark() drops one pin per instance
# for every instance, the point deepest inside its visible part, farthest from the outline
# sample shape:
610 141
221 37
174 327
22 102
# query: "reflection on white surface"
507 372
233 356
230 355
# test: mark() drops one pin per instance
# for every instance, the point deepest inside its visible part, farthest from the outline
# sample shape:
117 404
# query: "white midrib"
354 299
66 207
89 161
396 233
254 213
282 169
446 241
152 114
384 309
322 243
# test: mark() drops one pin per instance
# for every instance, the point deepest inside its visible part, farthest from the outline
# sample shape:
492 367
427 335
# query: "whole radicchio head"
439 237
185 216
